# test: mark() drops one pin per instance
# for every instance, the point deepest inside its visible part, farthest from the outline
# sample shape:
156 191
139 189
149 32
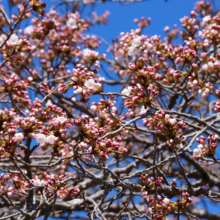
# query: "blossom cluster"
165 206
205 149
166 125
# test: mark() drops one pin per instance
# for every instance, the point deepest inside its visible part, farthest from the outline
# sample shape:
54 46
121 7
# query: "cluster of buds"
172 34
82 82
187 55
9 137
5 187
186 200
91 57
12 85
53 185
143 22
92 129
189 25
104 104
102 18
151 183
172 76
28 124
6 116
203 7
166 125
217 106
211 65
14 50
165 206
205 149
149 73
137 96
210 31
197 85
129 44
38 6
142 92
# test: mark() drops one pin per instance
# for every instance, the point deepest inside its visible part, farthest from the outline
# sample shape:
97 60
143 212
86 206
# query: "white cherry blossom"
166 202
90 83
132 50
14 39
143 110
86 52
29 29
89 53
41 139
172 121
61 119
93 108
39 182
207 18
126 91
50 139
136 42
210 64
71 22
200 146
197 152
32 119
19 136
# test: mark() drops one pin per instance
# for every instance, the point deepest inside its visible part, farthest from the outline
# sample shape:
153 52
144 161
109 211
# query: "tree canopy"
132 133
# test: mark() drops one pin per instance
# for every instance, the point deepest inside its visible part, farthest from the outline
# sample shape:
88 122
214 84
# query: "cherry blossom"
197 152
172 121
14 39
143 110
136 42
166 202
39 182
61 119
90 83
72 23
132 50
126 91
41 138
50 139
19 136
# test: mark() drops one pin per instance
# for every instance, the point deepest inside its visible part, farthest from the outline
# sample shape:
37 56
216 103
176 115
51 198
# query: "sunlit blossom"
14 39
72 23
132 51
40 138
19 136
136 42
39 182
166 202
61 119
90 83
197 152
50 139
143 110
